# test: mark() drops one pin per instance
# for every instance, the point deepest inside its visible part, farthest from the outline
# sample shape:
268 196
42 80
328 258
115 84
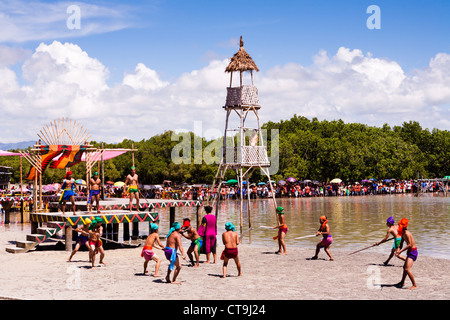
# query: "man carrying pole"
392 230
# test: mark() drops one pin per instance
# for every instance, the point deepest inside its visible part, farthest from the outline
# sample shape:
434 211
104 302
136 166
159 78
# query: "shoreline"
46 275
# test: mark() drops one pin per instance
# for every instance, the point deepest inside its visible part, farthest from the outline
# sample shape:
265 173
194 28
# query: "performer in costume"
95 243
196 241
82 239
69 186
231 240
327 239
282 230
411 253
392 230
170 251
209 221
133 188
147 252
94 192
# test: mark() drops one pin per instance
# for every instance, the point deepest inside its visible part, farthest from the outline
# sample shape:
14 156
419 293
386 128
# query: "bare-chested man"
172 245
133 188
68 193
151 242
94 192
411 254
282 230
196 242
392 230
82 239
95 243
231 240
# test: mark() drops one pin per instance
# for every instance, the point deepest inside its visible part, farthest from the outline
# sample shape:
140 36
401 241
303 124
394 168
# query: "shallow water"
355 222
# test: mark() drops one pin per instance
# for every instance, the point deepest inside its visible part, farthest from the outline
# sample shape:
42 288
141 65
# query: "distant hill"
17 145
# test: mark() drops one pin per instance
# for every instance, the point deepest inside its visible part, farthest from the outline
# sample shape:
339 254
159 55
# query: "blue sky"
172 39
178 36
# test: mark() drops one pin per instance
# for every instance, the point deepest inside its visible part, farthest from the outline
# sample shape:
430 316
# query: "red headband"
67 173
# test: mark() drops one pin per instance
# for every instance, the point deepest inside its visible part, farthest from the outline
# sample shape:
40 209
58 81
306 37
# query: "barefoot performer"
411 254
392 230
147 252
282 230
82 239
133 188
95 243
231 240
326 241
172 245
94 192
196 241
68 193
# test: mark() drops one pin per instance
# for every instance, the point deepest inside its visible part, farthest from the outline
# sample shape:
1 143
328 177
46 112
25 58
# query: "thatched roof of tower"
241 61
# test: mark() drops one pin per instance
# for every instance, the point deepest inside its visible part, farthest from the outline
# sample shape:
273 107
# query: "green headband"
94 222
280 210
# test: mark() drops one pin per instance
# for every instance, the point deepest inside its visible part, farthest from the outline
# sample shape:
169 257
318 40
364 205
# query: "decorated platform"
45 225
108 217
124 204
16 198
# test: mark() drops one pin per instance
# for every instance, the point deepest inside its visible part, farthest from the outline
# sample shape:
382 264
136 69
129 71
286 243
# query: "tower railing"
242 96
246 156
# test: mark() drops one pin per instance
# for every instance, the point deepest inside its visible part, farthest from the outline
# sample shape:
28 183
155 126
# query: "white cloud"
144 78
63 81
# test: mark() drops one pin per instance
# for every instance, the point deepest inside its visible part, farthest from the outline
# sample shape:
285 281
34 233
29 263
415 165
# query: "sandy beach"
46 275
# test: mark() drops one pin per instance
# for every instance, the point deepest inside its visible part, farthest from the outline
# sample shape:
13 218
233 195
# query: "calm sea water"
355 222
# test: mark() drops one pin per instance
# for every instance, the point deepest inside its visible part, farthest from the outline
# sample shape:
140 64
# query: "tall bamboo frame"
64 131
242 102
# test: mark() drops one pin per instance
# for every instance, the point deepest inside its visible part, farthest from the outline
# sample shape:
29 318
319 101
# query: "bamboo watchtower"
243 145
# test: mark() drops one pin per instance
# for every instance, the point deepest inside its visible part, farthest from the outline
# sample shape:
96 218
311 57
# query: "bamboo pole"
241 223
21 184
103 174
132 154
248 204
88 180
40 182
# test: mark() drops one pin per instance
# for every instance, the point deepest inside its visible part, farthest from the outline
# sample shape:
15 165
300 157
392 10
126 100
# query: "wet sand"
46 275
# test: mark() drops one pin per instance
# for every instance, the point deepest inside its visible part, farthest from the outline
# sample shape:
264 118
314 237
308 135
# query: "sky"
134 69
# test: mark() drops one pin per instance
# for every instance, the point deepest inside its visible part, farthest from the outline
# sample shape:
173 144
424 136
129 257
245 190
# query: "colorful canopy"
7 153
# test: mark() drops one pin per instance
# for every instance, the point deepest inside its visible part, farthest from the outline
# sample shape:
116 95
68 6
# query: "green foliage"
323 150
308 149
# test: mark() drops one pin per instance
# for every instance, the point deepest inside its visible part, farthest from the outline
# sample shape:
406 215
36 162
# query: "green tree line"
307 149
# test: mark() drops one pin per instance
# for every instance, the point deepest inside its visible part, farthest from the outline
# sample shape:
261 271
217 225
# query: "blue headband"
229 226
175 226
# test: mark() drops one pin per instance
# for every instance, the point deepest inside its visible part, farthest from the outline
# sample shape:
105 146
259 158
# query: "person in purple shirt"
209 221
